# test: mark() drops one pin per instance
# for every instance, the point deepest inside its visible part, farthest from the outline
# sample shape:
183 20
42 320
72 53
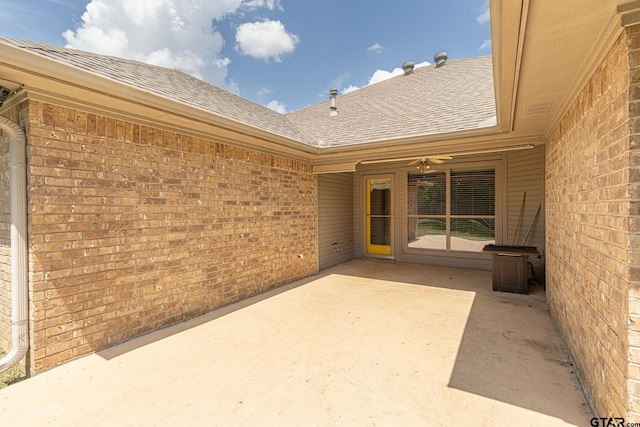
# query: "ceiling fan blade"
430 159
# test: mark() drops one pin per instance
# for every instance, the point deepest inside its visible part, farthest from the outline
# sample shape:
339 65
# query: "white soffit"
564 43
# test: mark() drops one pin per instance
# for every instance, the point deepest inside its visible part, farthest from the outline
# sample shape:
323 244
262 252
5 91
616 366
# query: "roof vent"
408 67
332 96
440 59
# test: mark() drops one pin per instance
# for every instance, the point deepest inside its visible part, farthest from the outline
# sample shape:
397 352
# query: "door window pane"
380 197
380 231
379 216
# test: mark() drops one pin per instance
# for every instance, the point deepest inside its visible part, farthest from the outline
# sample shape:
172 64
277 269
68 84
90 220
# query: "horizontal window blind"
473 193
467 224
428 192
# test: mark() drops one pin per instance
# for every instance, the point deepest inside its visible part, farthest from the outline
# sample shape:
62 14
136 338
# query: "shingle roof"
171 84
455 97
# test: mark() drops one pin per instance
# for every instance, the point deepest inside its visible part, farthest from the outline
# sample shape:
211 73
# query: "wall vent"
543 108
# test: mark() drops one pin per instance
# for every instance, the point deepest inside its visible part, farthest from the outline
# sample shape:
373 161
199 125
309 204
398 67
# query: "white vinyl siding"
515 172
335 219
525 172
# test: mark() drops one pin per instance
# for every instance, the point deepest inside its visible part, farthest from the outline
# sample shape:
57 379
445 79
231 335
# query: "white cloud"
381 75
264 92
484 16
171 33
265 40
485 44
349 89
277 106
375 48
269 4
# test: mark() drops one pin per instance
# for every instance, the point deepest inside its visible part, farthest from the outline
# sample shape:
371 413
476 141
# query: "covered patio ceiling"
544 51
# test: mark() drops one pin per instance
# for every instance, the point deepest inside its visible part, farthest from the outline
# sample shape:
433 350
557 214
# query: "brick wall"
133 228
633 41
587 238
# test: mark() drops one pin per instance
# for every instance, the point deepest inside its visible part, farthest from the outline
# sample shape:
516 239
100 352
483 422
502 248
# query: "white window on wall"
452 209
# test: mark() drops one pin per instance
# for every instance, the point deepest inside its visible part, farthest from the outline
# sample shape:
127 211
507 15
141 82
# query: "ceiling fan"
424 163
437 158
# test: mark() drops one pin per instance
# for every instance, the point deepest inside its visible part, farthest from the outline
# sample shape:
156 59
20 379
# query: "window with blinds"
451 209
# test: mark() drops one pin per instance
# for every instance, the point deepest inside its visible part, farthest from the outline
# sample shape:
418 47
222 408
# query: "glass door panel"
379 216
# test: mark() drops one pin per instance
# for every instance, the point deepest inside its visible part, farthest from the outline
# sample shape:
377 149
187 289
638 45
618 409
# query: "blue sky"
285 54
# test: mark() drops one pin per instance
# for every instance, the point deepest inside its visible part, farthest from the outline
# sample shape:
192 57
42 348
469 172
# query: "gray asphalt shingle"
170 84
456 97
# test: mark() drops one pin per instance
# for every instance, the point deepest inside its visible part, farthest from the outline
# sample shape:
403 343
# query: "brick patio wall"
134 228
633 35
588 222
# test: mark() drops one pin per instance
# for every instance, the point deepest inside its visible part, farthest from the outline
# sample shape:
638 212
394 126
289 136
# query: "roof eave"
423 145
40 76
508 24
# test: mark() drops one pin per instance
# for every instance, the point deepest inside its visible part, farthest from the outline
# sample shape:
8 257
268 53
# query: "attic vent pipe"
332 96
440 58
408 67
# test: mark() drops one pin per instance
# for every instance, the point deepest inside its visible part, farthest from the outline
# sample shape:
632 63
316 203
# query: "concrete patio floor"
366 343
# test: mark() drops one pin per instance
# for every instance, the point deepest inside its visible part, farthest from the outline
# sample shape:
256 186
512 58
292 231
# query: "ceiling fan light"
423 166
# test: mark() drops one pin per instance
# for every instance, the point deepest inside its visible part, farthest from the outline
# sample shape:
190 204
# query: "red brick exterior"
132 228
